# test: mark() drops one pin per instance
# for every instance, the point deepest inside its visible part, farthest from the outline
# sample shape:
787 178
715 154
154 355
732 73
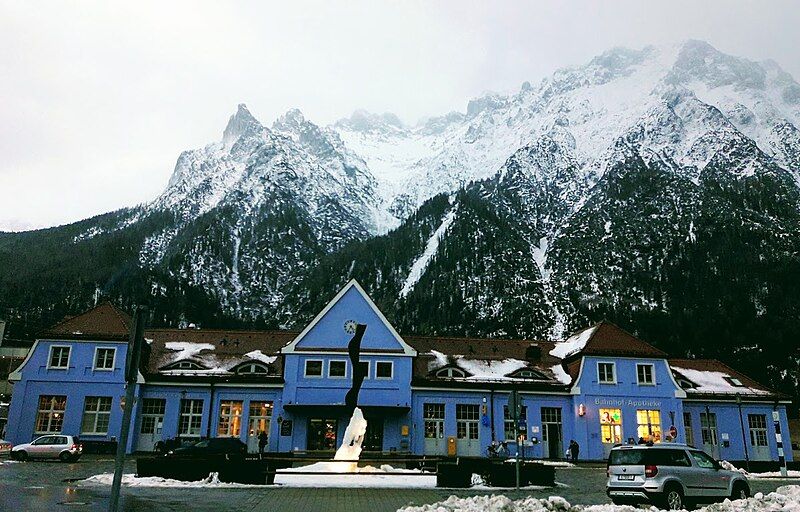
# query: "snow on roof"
488 369
707 381
561 375
573 344
187 349
260 356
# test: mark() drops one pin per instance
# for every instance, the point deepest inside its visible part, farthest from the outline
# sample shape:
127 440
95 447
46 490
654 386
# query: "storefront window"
611 425
649 428
510 430
50 417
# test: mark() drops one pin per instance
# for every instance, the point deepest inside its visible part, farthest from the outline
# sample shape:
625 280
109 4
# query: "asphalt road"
51 486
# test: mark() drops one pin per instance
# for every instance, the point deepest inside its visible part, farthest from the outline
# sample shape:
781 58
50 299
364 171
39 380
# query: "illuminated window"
611 426
260 416
649 425
230 418
50 417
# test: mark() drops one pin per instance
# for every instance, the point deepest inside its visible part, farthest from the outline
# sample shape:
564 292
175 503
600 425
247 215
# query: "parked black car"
227 447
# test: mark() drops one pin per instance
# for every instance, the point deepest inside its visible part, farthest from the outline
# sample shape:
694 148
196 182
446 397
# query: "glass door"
260 415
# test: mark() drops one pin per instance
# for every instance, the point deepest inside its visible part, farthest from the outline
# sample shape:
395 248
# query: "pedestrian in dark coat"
574 450
262 441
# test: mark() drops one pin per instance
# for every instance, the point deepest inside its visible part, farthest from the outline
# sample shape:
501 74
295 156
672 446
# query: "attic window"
684 383
734 382
252 369
451 373
184 365
527 373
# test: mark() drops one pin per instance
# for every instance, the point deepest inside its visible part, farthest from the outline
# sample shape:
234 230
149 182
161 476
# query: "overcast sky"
98 99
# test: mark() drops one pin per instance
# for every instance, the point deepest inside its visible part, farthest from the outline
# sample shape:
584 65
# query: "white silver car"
670 476
57 446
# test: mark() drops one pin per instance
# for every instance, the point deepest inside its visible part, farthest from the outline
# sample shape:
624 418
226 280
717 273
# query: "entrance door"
708 428
150 424
258 422
321 434
435 443
759 446
373 437
467 436
610 429
552 442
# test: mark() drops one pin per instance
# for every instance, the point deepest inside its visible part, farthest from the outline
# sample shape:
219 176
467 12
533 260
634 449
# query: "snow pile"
131 480
384 476
786 498
755 476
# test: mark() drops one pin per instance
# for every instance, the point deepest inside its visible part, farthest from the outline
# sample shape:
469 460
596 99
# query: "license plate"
625 477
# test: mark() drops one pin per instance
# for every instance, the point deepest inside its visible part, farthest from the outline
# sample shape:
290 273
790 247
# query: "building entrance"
373 437
150 424
467 424
433 416
551 433
259 420
321 434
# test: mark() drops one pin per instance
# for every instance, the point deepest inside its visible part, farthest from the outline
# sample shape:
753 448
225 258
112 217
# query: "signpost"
515 410
131 374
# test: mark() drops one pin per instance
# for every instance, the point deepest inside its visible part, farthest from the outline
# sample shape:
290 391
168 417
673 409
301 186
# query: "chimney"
533 352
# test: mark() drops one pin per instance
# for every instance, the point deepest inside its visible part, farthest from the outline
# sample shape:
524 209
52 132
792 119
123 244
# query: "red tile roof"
103 322
610 340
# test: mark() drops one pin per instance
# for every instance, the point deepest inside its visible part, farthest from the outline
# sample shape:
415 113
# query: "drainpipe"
210 412
491 410
714 440
744 439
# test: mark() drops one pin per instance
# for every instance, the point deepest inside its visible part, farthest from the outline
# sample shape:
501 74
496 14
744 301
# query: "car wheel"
20 455
673 498
740 491
616 501
64 457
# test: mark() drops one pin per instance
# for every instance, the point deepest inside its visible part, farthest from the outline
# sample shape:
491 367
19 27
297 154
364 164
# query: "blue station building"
422 395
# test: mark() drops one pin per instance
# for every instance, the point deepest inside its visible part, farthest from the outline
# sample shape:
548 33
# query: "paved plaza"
49 486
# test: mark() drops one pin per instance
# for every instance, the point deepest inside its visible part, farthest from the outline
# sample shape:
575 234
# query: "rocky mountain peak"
240 123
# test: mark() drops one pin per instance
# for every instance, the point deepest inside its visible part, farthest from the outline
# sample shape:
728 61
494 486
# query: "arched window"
252 369
451 372
184 365
527 373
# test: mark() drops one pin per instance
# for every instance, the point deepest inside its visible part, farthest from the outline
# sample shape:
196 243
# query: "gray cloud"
100 98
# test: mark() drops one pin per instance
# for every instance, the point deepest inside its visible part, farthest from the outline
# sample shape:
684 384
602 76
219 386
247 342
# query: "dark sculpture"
354 349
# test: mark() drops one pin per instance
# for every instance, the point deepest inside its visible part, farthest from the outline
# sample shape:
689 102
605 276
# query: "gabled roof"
352 284
103 322
605 339
713 378
219 351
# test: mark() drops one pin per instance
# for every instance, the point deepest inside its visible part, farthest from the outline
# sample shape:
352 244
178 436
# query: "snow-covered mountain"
657 187
683 100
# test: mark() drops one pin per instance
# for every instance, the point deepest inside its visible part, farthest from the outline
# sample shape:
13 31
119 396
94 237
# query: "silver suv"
64 448
670 476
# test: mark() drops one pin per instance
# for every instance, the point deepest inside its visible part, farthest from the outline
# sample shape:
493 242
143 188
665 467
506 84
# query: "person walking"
574 450
262 441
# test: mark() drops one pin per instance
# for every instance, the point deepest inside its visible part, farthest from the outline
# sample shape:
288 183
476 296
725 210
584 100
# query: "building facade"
422 395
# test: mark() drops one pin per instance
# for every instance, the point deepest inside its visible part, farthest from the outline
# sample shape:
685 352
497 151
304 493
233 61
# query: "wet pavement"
51 486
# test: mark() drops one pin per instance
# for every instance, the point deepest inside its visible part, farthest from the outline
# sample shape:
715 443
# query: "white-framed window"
313 368
50 416
384 370
606 373
96 415
104 358
365 366
733 381
451 373
645 374
191 418
337 369
59 357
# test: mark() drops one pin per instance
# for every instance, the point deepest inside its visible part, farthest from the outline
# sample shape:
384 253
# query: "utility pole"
135 342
